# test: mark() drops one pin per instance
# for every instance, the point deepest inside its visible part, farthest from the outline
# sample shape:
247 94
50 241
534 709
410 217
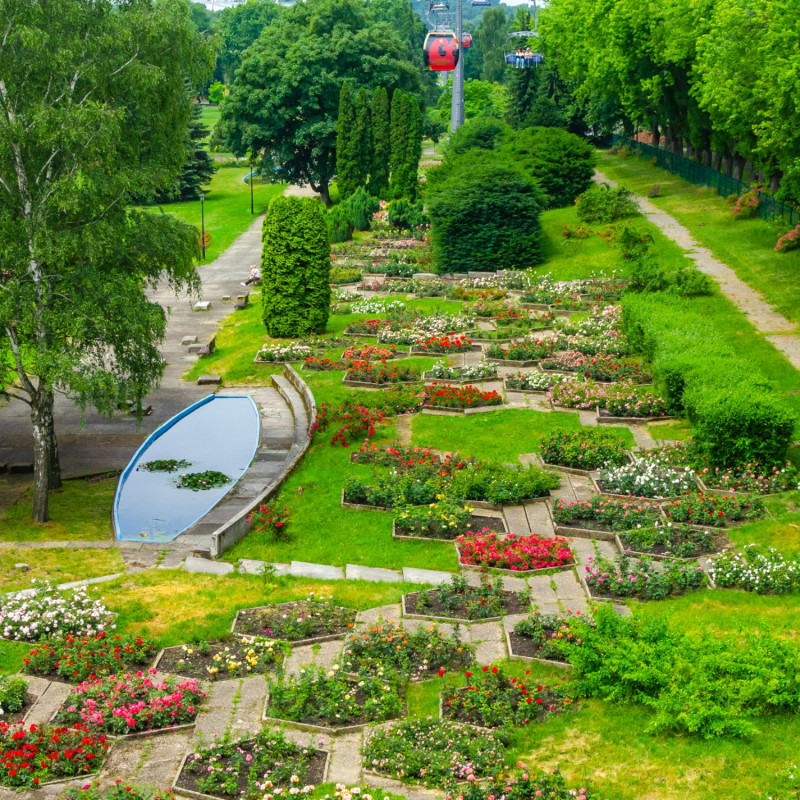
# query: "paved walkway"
778 330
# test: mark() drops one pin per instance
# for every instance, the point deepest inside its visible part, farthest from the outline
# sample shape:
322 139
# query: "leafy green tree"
347 168
487 44
285 98
481 99
216 92
362 136
93 109
484 210
238 27
295 267
484 133
381 143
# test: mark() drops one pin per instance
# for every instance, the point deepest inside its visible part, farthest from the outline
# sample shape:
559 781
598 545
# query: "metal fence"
700 175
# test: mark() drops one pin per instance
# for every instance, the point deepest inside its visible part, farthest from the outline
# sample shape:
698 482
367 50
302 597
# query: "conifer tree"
381 144
347 168
362 136
413 150
398 135
199 167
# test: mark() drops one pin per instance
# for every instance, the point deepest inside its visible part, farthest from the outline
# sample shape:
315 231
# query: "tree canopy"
284 101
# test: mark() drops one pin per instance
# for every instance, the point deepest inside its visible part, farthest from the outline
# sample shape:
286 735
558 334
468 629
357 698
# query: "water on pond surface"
219 433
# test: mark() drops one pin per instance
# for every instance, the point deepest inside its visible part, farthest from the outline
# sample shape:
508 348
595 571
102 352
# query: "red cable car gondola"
440 51
466 40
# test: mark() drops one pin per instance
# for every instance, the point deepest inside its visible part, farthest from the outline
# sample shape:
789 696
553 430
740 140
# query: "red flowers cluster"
323 364
366 327
80 658
381 373
410 458
32 755
268 519
445 344
443 396
357 420
517 553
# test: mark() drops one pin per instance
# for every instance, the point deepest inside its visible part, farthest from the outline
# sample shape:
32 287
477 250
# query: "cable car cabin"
466 40
529 60
518 52
440 51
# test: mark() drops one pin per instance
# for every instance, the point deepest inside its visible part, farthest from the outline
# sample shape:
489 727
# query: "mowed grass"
81 511
56 564
227 209
747 246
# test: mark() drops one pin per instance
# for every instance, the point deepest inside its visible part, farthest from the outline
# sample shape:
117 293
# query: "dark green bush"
340 228
693 283
360 207
484 133
561 162
633 243
604 204
295 267
405 216
484 212
647 275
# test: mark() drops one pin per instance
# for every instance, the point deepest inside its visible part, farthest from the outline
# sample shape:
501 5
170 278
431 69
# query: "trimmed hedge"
295 267
735 416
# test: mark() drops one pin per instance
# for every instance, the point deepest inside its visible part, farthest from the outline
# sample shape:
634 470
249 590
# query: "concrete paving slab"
431 577
306 569
371 615
516 520
356 572
205 566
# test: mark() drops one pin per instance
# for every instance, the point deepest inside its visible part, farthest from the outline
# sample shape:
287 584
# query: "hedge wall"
735 415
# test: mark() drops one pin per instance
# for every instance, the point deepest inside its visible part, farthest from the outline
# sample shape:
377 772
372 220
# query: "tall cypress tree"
397 135
362 136
346 166
413 150
381 144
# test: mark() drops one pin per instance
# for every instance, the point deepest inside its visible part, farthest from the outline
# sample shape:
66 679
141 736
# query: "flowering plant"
602 368
552 635
547 785
414 654
341 276
369 353
270 520
303 619
588 449
119 790
433 753
33 755
517 553
365 327
606 513
367 372
609 342
42 611
441 371
294 351
80 658
323 364
698 508
519 318
409 458
492 700
245 656
444 519
460 600
445 396
753 477
444 344
647 477
254 768
329 697
678 541
526 350
534 381
375 306
789 241
639 577
756 571
129 703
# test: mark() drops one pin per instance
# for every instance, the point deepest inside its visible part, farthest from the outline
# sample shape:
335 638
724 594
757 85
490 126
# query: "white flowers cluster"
284 352
376 306
441 370
43 611
427 328
535 381
648 477
754 571
345 297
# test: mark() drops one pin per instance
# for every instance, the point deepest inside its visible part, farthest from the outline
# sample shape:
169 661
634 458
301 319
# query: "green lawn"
58 565
227 208
81 511
747 246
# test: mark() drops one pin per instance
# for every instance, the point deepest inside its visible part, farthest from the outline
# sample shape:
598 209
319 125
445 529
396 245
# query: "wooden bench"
654 191
208 348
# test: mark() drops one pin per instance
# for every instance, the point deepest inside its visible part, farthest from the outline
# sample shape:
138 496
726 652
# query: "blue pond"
220 432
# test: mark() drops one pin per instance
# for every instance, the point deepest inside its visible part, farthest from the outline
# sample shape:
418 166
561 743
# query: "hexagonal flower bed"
459 600
545 637
331 701
312 619
550 785
493 700
214 661
514 553
127 704
33 755
433 752
252 768
417 655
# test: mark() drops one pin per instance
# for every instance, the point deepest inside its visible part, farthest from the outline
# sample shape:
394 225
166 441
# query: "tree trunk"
324 193
706 160
775 181
54 481
655 134
42 419
716 161
738 166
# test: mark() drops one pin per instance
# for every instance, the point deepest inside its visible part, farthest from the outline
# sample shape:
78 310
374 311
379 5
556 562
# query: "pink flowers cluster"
516 553
789 241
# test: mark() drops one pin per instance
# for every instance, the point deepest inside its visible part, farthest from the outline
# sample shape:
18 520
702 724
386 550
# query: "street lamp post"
252 176
203 224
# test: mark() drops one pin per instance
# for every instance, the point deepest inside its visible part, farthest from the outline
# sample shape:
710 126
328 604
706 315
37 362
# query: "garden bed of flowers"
600 368
458 600
331 699
364 327
759 479
471 372
284 353
340 276
380 374
641 577
548 292
586 449
550 785
447 345
313 618
533 381
610 342
756 570
673 541
411 457
528 351
80 658
647 477
603 513
371 352
33 755
43 612
443 520
715 510
131 703
549 637
519 318
252 768
433 753
464 292
444 396
393 490
490 699
420 654
485 309
223 660
513 553
323 364
376 306
614 401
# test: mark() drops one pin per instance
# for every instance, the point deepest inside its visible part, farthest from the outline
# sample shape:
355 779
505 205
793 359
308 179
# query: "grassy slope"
744 245
58 565
227 208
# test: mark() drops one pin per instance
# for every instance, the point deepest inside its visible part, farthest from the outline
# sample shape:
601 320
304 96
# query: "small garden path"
776 328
